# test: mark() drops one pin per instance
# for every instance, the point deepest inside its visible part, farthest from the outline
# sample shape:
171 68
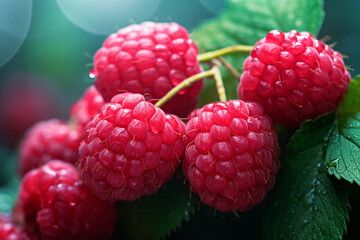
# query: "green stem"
219 84
187 82
214 71
218 53
230 68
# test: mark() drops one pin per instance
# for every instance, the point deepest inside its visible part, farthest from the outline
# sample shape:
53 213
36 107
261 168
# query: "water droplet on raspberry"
92 73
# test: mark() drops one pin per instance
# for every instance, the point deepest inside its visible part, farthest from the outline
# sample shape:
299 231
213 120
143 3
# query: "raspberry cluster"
150 58
295 76
232 154
57 205
119 146
130 148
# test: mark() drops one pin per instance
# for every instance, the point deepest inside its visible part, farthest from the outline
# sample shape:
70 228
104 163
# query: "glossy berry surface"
47 140
295 76
130 148
56 205
9 231
86 107
231 154
194 113
150 58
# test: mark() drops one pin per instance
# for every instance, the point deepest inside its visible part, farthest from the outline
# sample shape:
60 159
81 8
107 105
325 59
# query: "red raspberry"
47 140
232 154
131 148
295 76
150 58
9 231
57 205
194 113
87 107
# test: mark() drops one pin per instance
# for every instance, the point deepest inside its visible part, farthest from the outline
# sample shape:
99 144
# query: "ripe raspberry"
194 113
150 58
232 154
131 148
9 231
295 76
57 205
87 107
47 140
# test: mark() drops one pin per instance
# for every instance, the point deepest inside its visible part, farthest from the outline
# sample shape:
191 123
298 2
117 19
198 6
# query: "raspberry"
194 113
47 140
88 106
232 154
57 205
295 76
150 58
9 231
130 148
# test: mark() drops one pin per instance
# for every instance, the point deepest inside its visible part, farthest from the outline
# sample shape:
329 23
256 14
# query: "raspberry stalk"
214 72
230 67
223 51
218 81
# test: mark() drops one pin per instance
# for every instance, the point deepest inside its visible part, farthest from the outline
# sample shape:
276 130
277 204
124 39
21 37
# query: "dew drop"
92 73
333 163
308 198
305 222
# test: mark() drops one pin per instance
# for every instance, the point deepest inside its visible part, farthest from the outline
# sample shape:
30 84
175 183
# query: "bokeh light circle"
106 16
15 19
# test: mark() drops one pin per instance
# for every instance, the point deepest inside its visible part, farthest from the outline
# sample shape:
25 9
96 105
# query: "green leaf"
331 144
305 203
245 22
156 216
351 101
343 151
311 133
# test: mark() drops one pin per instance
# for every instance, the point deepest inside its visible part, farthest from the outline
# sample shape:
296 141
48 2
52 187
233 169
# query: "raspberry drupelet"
295 76
231 154
9 231
130 148
150 58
